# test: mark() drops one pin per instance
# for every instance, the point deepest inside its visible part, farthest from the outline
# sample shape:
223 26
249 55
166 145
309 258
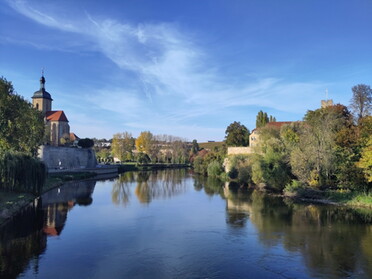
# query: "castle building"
57 127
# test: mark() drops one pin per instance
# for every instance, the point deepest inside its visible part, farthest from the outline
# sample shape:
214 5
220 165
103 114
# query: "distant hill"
210 145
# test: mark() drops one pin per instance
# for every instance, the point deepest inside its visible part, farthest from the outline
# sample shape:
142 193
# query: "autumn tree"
361 102
144 142
122 146
237 135
21 126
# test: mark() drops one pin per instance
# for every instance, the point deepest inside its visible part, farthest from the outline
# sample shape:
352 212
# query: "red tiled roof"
50 231
278 124
57 115
73 137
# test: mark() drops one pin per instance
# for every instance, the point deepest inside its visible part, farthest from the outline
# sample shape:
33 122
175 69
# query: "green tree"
314 159
262 119
122 145
365 162
21 126
237 135
195 147
361 102
86 143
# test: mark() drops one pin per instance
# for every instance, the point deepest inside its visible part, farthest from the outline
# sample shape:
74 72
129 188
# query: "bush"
294 186
143 158
86 143
245 174
233 173
214 168
21 173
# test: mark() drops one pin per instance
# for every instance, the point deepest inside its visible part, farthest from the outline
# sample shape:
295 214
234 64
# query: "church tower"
41 99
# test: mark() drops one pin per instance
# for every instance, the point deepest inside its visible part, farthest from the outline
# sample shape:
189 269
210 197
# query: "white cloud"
172 73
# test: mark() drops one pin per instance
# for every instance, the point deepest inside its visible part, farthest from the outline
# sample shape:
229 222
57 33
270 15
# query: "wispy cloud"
171 70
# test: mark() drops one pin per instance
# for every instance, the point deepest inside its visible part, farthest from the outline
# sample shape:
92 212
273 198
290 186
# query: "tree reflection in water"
24 238
328 237
149 185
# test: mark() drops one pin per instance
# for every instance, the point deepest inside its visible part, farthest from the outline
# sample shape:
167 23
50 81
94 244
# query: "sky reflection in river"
169 224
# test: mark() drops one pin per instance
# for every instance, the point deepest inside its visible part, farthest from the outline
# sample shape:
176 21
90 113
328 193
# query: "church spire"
42 80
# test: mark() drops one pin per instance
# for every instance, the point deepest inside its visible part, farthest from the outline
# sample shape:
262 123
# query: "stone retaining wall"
238 150
67 157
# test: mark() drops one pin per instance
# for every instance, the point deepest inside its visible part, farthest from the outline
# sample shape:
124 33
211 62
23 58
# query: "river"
173 224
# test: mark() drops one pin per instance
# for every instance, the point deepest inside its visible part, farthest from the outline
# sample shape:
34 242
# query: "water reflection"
258 235
149 185
332 240
24 238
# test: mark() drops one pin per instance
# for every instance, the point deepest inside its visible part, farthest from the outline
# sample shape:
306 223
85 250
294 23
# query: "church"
57 127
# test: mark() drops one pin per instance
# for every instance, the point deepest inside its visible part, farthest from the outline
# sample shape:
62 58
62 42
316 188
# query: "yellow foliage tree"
144 142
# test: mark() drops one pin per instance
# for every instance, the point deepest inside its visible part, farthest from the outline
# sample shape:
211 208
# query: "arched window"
37 106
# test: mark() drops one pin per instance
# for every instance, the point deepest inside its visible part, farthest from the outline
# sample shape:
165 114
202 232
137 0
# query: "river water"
172 224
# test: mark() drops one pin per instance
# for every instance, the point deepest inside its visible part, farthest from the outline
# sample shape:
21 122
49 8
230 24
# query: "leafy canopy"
237 135
21 126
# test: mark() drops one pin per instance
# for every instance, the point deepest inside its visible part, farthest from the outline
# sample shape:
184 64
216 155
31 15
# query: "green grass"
350 198
361 199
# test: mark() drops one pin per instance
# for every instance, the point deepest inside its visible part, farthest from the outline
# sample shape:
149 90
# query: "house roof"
73 137
278 124
56 115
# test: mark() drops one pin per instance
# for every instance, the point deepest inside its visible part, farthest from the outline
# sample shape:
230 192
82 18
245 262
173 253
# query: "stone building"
57 127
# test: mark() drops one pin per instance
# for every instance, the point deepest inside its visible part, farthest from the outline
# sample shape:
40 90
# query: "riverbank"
11 202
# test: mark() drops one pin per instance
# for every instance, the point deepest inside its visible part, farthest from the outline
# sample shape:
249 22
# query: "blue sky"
185 68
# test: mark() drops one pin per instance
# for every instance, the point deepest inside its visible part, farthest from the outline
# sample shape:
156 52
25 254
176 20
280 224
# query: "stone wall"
238 150
67 157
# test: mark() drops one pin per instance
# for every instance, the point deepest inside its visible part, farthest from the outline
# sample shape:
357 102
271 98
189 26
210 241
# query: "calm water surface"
170 224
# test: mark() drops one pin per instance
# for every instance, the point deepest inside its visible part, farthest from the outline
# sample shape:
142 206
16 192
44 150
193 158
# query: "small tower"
327 102
41 99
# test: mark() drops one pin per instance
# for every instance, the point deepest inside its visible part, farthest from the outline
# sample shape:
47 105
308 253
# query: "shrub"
86 143
143 158
245 174
233 173
294 186
214 168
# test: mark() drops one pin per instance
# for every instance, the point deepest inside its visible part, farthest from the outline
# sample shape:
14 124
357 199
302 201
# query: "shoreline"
11 203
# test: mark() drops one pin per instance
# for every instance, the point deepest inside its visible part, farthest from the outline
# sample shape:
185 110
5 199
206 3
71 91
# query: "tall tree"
21 126
122 145
144 142
237 135
195 147
361 102
262 119
313 159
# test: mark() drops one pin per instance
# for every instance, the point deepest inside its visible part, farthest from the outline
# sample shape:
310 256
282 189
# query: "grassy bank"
350 198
